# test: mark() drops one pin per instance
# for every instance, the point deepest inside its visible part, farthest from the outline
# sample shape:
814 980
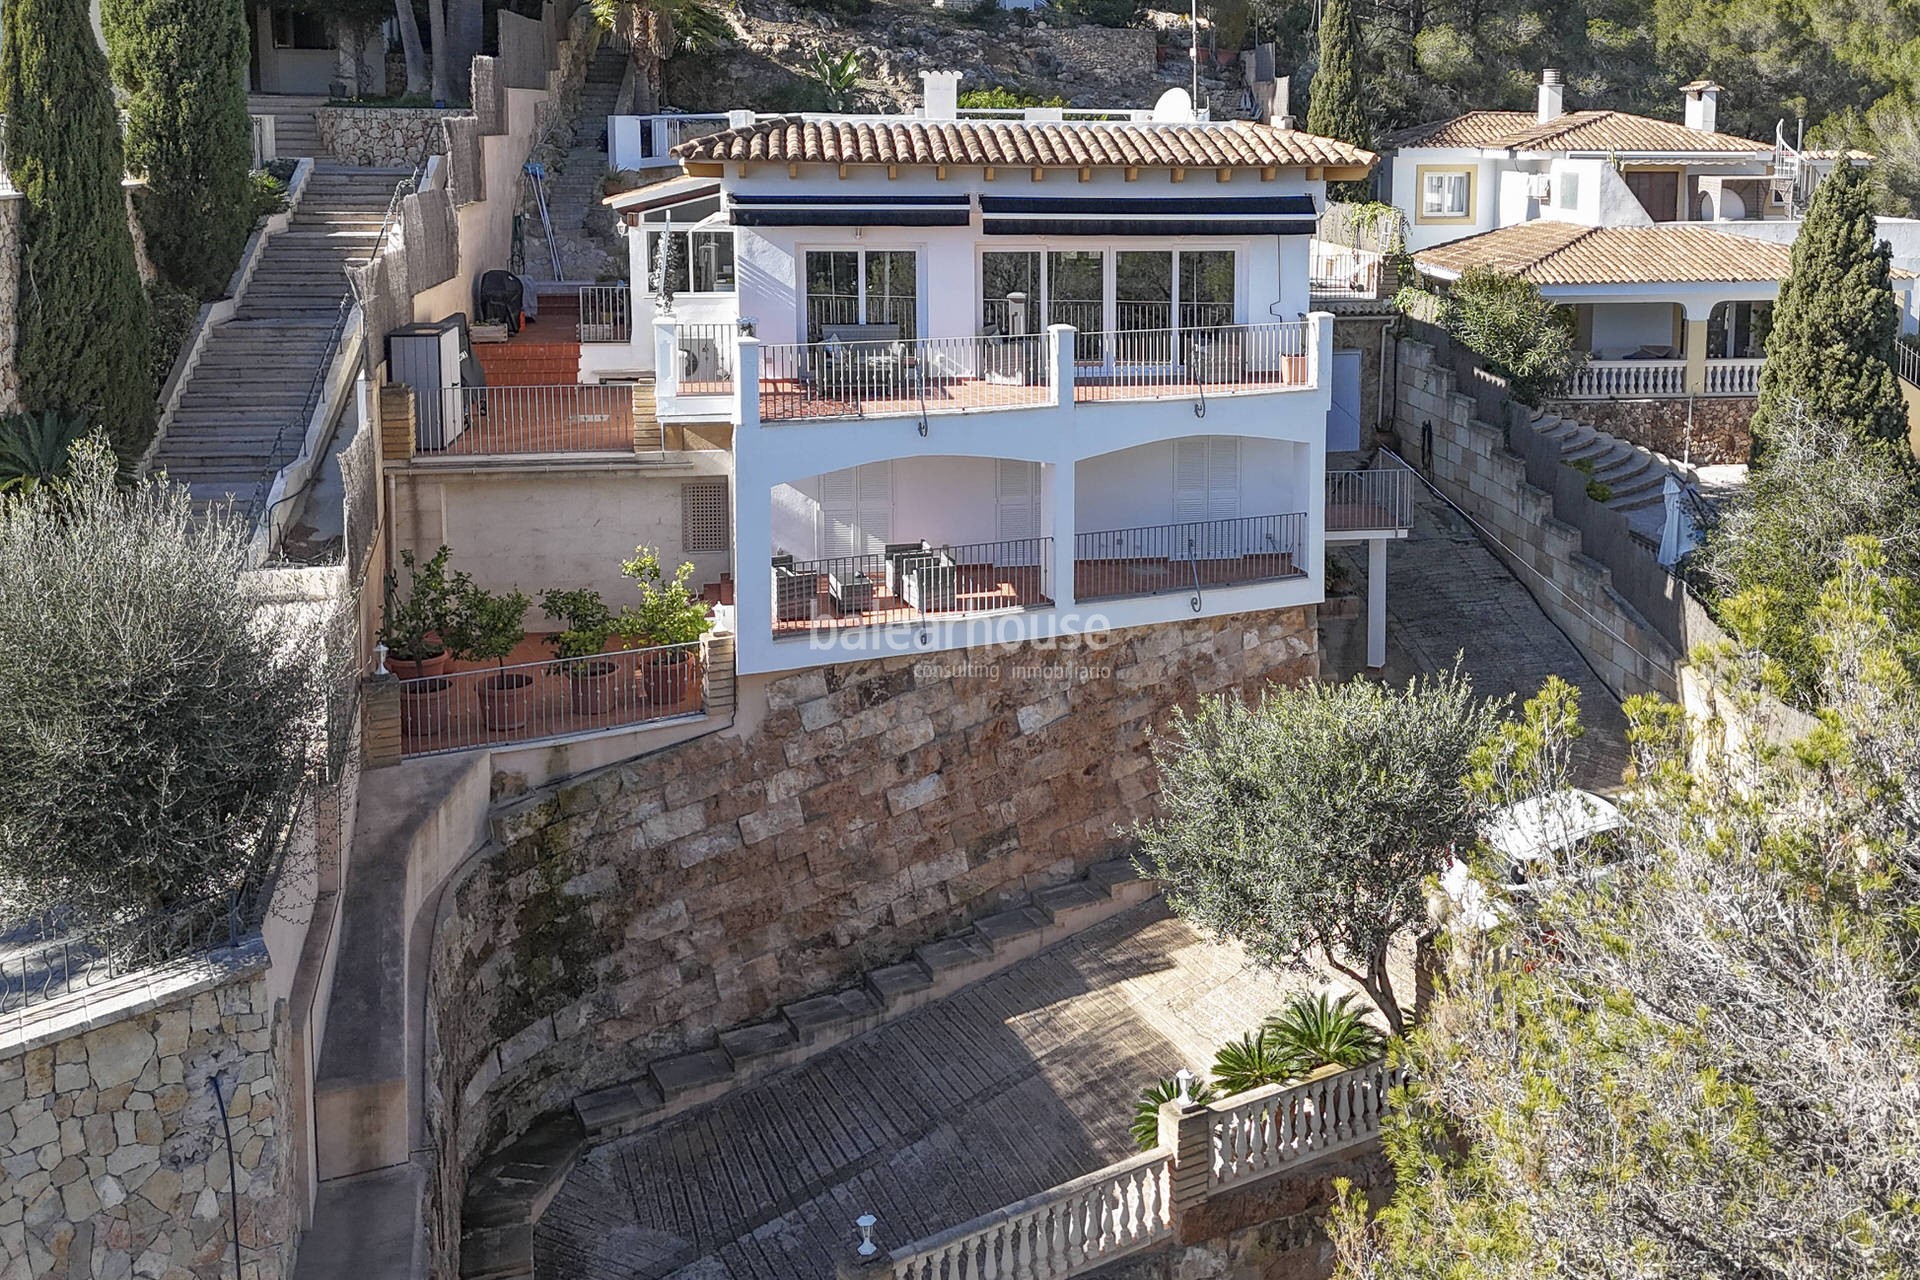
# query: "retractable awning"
664 195
1292 215
849 211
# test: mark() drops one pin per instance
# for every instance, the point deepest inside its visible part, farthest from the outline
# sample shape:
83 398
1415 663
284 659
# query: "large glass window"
1002 274
1143 293
1076 295
1206 288
697 262
857 286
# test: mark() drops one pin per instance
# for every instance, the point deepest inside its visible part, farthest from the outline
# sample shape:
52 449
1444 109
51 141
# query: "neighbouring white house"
1486 170
999 380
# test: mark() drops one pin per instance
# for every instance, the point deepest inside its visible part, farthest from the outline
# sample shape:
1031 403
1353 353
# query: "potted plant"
489 626
414 626
587 624
668 614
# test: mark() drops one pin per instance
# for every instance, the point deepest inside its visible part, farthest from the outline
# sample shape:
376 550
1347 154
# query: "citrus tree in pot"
669 614
415 626
488 626
588 624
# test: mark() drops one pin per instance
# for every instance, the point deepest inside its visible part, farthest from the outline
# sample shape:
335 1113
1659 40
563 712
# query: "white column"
752 519
1058 479
1376 603
746 388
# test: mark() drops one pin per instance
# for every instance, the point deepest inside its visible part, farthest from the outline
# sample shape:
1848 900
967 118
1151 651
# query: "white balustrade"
1259 1132
1628 380
1066 1231
1734 377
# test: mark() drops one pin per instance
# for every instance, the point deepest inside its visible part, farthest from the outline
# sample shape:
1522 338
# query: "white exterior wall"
1405 188
1134 487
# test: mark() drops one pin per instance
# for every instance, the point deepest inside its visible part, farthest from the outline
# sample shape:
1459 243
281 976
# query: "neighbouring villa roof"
1021 144
1608 131
663 195
1572 253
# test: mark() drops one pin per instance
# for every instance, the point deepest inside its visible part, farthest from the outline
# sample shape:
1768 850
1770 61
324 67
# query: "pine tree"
84 324
1333 96
183 64
1831 351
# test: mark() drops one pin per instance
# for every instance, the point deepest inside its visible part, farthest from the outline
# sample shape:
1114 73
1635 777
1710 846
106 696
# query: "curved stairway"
1635 477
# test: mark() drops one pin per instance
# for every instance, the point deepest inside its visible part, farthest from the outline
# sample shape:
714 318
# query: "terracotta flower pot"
425 708
504 700
671 681
419 668
596 687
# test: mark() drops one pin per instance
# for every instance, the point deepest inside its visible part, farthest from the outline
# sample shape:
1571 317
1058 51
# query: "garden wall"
381 137
113 1160
865 809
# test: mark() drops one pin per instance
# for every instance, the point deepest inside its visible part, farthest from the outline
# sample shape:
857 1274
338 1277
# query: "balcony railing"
1112 564
1267 1129
567 418
606 313
1660 379
1146 364
885 377
704 355
1342 271
1378 498
530 701
911 581
1907 360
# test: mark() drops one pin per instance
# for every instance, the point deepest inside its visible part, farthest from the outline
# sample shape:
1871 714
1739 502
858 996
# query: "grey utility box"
426 357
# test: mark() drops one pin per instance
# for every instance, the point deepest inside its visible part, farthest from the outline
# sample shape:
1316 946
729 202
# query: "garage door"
1343 420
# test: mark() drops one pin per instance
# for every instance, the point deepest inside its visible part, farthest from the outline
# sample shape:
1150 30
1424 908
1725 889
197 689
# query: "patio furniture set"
921 577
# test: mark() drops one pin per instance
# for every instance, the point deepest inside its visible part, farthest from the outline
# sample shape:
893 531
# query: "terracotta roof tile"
1570 253
1573 131
1050 144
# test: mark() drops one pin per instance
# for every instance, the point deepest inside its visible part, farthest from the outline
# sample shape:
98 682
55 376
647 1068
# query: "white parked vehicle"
1529 840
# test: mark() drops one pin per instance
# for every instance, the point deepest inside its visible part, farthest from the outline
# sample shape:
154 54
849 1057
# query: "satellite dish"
1174 107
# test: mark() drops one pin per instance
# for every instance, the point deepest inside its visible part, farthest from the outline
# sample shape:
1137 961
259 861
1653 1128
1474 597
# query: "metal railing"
59 963
882 377
1151 560
1067 1230
1378 498
565 418
911 581
1906 354
1342 271
606 313
1146 364
706 354
1264 1130
533 701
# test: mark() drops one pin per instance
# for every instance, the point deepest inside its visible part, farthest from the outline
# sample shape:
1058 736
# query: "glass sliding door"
1142 306
1007 273
893 290
1206 288
857 286
833 290
1076 295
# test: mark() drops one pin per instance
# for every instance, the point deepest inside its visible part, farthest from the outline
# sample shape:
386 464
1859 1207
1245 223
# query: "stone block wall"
385 137
1706 431
1473 467
113 1161
645 908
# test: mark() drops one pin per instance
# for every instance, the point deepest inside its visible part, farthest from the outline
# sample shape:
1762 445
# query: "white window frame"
1567 191
1109 252
648 230
1467 177
918 249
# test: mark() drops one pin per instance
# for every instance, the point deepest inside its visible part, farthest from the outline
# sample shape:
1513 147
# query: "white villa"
999 380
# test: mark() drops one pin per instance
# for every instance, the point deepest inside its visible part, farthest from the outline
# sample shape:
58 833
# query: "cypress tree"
1831 349
1333 96
84 324
183 64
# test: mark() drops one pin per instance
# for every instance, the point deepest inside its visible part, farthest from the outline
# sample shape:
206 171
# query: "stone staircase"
243 414
574 181
294 133
1635 477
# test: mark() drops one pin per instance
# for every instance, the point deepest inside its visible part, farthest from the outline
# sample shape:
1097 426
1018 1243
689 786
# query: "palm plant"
655 30
34 447
1146 1112
1255 1060
839 77
1317 1032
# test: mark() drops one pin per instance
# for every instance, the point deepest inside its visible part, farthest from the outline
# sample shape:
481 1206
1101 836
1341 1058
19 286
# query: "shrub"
34 448
1146 1112
669 613
1316 1032
1255 1059
174 311
1103 13
155 711
1000 98
1520 335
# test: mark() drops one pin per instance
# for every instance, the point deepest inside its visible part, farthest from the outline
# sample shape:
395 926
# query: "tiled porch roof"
1571 253
1574 131
1021 144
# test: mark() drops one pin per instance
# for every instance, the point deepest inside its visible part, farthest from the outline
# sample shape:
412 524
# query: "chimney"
1552 95
940 95
1702 99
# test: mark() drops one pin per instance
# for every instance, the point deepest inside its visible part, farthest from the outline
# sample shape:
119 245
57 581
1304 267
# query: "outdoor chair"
796 593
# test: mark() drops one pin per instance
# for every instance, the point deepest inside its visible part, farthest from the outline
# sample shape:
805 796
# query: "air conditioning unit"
700 360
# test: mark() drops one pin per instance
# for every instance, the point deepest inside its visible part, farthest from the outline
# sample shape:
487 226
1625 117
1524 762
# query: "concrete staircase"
1635 477
294 133
244 413
575 190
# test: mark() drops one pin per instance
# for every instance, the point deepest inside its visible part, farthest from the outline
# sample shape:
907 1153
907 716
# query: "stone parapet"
381 137
1704 431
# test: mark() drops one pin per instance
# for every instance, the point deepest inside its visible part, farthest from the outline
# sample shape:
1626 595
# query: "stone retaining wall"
1704 432
1106 53
642 909
381 137
113 1161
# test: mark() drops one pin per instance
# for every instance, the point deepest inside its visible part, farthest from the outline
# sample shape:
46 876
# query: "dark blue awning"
1292 215
849 211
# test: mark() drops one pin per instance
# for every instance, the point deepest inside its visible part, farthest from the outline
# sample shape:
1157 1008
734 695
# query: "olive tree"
1520 335
1698 1060
156 714
1307 823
